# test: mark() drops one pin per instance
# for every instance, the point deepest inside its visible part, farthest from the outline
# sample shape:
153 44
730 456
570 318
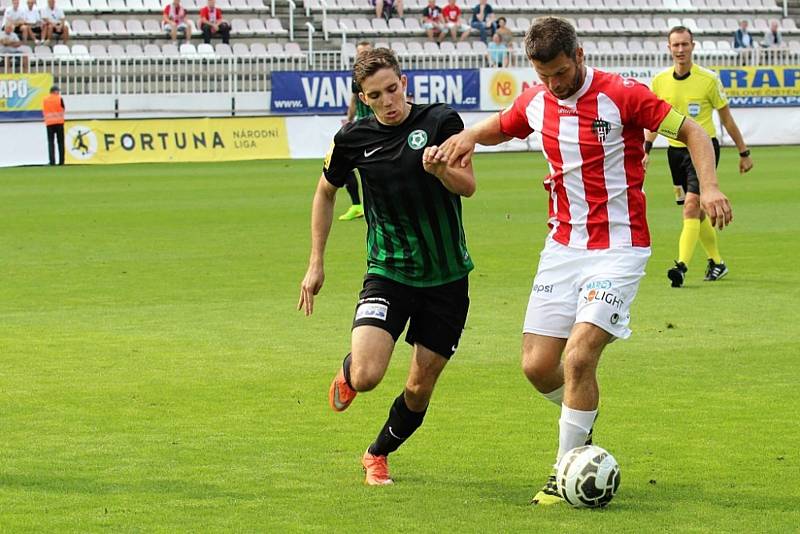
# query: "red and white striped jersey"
593 142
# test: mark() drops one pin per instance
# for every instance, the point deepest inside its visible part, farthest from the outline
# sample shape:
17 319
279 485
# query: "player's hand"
645 161
717 207
745 164
458 148
431 161
312 283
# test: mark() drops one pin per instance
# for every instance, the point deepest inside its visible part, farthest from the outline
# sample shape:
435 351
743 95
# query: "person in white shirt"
54 23
11 49
33 19
15 16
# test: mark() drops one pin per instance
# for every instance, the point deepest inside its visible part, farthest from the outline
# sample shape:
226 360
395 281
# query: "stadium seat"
80 52
136 6
150 50
100 6
364 26
619 46
760 26
585 25
431 49
153 6
256 27
347 25
447 48
170 50
117 6
134 28
724 46
399 47
380 44
415 48
205 51
652 47
522 24
794 46
240 50
239 27
275 50
115 51
718 25
397 26
413 27
788 25
255 4
188 50
673 21
81 6
615 26
258 50
274 27
635 46
117 28
293 50
98 51
380 27
153 28
79 28
593 5
645 25
330 26
660 25
731 24
239 5
61 51
690 23
479 48
704 25
42 51
463 48
99 29
604 47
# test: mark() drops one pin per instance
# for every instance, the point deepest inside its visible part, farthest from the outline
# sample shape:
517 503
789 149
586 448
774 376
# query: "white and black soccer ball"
587 477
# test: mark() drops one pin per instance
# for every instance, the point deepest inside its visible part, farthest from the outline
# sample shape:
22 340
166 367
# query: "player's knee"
691 207
537 371
579 361
364 378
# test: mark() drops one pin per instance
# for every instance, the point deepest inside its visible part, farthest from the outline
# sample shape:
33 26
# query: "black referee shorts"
437 314
683 174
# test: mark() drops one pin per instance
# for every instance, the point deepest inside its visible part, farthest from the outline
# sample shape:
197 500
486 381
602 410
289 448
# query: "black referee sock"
351 184
346 369
401 423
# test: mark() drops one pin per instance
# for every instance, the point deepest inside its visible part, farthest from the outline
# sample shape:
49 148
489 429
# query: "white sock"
556 396
574 426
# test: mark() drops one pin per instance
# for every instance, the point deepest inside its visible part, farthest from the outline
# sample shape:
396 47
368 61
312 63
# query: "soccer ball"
587 477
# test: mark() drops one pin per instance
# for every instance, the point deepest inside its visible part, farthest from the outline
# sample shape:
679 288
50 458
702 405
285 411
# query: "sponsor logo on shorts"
595 295
543 288
369 309
599 284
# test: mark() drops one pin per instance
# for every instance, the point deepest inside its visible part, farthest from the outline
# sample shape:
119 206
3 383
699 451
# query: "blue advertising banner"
330 91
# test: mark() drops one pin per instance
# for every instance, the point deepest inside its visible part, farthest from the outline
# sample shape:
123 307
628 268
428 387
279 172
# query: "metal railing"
123 76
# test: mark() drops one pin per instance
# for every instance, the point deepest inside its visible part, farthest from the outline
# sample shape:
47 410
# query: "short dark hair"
680 29
501 18
548 37
363 42
372 61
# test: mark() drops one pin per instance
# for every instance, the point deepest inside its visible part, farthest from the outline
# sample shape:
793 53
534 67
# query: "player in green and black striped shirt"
417 262
356 111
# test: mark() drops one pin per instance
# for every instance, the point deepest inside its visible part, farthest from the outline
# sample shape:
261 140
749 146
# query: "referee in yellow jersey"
695 92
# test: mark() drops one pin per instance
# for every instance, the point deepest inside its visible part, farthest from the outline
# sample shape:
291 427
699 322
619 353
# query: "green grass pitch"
155 375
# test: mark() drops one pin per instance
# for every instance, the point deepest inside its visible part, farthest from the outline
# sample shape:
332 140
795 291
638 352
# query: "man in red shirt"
211 23
174 20
453 22
591 125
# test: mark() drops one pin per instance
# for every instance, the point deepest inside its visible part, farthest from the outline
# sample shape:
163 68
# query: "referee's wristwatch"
745 154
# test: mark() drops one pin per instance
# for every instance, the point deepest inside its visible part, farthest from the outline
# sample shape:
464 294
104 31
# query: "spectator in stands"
497 52
54 23
432 20
15 16
384 8
10 44
483 19
33 19
211 23
505 33
174 20
772 38
454 22
741 37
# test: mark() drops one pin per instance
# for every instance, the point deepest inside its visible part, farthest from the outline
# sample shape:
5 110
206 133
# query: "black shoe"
715 271
677 274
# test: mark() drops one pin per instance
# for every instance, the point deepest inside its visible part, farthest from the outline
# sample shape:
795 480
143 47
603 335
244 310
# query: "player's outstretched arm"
725 117
458 149
712 200
321 218
455 178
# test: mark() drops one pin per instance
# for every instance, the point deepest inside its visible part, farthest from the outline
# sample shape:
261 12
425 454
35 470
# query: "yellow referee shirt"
696 95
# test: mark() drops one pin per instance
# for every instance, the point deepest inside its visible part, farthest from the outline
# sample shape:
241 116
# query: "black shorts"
683 174
438 314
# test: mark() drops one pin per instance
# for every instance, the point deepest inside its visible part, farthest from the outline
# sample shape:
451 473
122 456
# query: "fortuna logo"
371 152
601 128
417 139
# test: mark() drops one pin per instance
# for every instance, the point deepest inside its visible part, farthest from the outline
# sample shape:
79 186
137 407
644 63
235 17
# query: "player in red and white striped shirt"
591 125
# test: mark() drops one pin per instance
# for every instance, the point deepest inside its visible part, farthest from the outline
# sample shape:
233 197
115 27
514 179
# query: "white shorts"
584 286
461 27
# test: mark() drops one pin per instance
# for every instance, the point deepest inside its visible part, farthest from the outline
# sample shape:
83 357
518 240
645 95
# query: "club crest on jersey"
601 129
417 139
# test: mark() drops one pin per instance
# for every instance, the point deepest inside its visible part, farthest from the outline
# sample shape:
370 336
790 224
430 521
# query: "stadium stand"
267 34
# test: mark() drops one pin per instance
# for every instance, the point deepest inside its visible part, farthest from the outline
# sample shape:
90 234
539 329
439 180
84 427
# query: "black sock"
401 423
346 369
351 184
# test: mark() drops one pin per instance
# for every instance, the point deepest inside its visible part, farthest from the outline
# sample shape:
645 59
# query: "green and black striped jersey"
362 110
414 230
